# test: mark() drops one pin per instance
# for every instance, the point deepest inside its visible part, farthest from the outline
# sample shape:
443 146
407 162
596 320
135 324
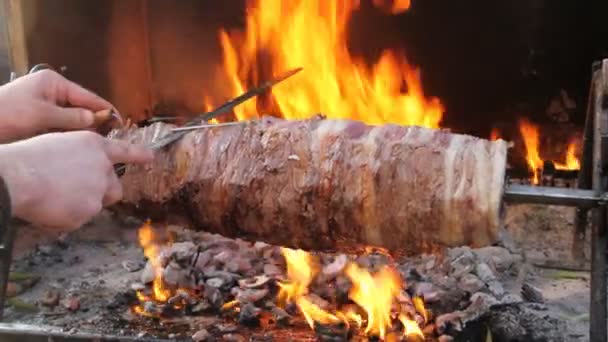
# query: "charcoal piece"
201 336
332 332
249 315
233 338
254 282
200 307
281 316
214 297
532 294
227 328
350 184
261 338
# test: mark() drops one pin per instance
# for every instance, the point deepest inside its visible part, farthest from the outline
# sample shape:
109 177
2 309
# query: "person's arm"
45 101
62 180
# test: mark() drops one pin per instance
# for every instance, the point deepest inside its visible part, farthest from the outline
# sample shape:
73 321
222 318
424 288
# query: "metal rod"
193 128
552 196
598 300
585 173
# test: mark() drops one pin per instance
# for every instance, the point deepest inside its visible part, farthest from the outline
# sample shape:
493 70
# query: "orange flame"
375 294
494 134
393 6
285 34
301 269
410 327
151 250
572 162
529 133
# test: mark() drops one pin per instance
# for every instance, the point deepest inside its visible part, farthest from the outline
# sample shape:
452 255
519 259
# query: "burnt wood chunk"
324 184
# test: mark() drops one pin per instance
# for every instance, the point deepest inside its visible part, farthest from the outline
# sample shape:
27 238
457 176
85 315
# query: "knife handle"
120 169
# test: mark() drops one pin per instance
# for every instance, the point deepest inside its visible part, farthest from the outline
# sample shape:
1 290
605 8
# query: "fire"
393 6
301 270
410 327
530 134
374 293
494 134
161 295
147 240
572 162
284 34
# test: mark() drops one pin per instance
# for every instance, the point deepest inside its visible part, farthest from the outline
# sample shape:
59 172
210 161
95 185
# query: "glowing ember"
393 6
494 134
285 34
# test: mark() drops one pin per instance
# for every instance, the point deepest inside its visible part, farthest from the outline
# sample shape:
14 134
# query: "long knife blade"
223 109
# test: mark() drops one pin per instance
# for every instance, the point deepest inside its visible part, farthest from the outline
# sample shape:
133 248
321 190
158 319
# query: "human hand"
43 101
62 180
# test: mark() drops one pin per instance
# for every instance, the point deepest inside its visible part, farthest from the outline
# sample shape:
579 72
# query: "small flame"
393 6
572 162
314 314
410 327
301 269
229 305
529 133
209 107
495 134
419 305
375 294
147 240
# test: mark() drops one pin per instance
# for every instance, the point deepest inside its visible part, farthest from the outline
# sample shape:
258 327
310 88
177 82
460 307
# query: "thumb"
69 118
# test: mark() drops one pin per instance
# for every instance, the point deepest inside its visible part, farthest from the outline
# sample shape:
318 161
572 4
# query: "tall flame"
148 242
284 34
529 133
